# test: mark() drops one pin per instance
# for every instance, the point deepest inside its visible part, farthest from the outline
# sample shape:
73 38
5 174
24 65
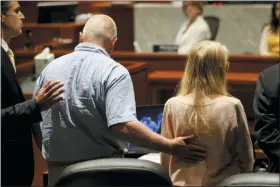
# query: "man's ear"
114 41
80 37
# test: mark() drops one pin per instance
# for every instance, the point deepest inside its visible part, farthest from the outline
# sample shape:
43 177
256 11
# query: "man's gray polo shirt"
98 94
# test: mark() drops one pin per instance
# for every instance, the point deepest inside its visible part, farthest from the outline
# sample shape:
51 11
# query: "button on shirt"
98 94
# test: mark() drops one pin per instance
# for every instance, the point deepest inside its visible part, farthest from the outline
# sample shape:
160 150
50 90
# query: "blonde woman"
203 108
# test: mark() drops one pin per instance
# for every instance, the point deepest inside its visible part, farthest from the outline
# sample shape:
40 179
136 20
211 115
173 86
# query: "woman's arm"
167 132
245 156
263 48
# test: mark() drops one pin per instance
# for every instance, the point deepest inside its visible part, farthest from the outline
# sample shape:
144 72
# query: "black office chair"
252 179
214 25
114 172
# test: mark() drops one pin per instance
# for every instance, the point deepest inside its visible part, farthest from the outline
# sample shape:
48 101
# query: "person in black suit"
266 107
18 115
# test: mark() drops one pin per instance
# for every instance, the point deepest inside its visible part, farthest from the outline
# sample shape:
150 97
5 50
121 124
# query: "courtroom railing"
165 61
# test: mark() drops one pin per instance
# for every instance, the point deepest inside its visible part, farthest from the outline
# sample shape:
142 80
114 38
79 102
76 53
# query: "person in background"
270 38
202 107
194 29
99 106
266 107
17 114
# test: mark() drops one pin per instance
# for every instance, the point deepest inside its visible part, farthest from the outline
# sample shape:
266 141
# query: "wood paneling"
122 13
43 33
139 75
29 10
241 85
164 61
123 16
40 165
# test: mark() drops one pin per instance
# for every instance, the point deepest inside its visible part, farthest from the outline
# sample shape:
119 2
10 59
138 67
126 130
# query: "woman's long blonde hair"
205 74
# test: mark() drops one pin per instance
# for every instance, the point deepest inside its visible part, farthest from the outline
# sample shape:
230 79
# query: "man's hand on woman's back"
183 149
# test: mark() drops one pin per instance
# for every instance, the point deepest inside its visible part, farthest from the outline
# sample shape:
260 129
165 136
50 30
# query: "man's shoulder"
60 58
114 67
272 70
270 78
106 61
271 74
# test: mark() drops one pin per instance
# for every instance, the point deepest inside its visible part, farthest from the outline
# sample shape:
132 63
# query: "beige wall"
240 27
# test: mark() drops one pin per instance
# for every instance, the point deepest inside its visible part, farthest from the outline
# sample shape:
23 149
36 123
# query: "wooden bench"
171 76
159 80
163 85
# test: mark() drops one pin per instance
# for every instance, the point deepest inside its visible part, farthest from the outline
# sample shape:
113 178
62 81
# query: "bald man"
99 105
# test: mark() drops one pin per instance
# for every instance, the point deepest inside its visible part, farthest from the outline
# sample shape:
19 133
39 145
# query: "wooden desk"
260 155
40 165
166 61
163 85
171 76
139 75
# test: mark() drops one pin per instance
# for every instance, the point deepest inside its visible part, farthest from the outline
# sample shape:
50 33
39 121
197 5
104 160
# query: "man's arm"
121 113
121 117
266 130
166 131
29 112
137 133
26 112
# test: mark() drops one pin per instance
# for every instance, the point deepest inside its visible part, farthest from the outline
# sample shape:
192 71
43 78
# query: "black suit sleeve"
266 131
27 112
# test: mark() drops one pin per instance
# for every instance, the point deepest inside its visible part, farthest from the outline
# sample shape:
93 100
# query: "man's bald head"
99 27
